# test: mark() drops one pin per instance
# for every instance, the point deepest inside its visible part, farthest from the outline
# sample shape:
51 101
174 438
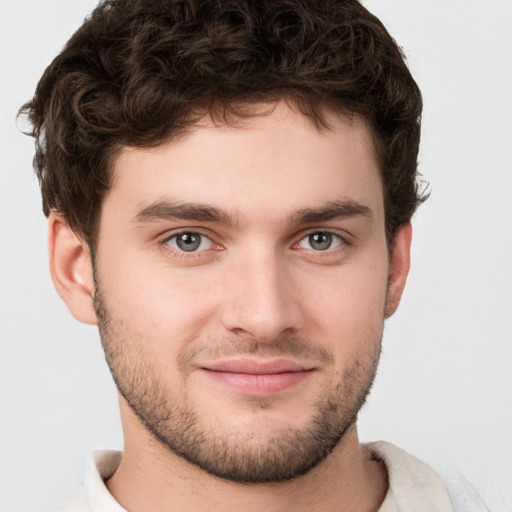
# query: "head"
230 186
141 73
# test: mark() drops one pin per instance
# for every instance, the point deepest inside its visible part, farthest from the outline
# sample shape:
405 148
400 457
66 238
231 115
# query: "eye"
321 241
189 242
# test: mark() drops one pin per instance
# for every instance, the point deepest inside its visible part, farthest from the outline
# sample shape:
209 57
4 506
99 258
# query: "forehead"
278 161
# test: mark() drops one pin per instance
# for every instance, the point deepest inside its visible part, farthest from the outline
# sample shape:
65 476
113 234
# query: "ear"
71 269
399 267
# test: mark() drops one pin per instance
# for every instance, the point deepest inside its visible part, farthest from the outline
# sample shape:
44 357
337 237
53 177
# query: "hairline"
235 115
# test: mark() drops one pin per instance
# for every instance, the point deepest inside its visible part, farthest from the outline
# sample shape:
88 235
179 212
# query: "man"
229 186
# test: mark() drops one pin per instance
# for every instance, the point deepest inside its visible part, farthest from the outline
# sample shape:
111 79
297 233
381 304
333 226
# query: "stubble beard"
239 456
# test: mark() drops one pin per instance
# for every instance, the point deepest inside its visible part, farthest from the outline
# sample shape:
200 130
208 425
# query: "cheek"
350 302
156 302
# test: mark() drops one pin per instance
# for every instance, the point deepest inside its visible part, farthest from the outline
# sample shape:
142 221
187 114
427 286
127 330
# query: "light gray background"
444 390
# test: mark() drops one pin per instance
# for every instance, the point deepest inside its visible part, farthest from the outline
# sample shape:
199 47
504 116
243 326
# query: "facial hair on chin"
248 457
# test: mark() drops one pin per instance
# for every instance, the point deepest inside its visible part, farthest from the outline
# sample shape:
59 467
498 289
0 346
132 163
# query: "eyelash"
164 243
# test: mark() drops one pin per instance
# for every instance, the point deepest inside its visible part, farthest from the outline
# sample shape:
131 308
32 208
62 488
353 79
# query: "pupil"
320 241
188 241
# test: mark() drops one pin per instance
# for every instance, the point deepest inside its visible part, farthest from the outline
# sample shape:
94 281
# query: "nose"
260 299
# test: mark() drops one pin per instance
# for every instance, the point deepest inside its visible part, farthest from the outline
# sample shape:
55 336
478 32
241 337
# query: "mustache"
287 347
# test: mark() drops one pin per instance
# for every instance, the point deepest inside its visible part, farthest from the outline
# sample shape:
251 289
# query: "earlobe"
71 269
399 267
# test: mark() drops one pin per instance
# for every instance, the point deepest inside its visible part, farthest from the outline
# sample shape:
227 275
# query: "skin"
256 280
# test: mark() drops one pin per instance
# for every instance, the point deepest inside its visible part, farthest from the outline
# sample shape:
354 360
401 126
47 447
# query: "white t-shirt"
413 486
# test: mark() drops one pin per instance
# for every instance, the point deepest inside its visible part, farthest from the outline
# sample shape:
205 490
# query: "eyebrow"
333 210
166 210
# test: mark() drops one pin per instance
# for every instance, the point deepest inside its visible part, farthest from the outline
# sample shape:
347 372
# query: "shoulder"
76 502
413 485
94 495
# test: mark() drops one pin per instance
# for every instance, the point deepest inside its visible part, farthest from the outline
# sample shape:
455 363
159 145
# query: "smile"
257 377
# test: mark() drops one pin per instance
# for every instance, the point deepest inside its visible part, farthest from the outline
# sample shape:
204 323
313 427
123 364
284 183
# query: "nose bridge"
259 296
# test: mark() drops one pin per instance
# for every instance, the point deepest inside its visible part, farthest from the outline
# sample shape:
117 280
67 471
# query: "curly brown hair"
140 72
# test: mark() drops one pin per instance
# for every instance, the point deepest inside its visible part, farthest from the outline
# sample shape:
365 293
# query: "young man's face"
242 285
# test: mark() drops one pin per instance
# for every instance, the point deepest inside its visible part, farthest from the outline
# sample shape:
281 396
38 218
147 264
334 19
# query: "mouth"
257 377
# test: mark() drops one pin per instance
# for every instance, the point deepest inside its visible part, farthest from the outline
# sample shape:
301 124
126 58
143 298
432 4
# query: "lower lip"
258 384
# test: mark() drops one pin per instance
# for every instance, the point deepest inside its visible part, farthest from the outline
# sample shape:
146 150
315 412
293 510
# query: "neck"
151 477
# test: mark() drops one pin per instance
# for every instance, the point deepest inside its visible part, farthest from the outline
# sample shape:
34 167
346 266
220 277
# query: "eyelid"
343 235
203 240
167 236
164 238
337 241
